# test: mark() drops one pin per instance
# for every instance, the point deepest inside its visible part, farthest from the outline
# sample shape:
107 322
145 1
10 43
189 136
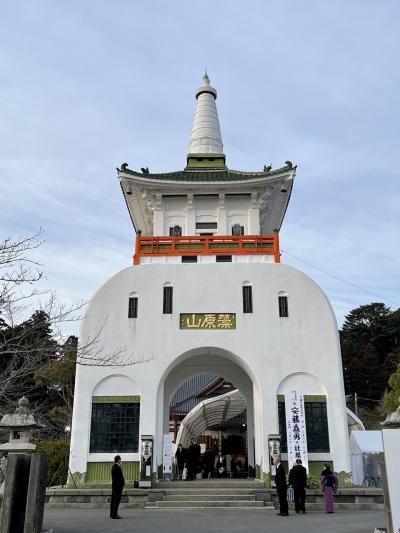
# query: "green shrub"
57 452
312 482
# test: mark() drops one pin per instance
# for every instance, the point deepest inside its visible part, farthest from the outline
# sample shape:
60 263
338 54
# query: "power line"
340 279
368 399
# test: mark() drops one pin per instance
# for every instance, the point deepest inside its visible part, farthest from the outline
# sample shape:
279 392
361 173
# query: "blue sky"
88 85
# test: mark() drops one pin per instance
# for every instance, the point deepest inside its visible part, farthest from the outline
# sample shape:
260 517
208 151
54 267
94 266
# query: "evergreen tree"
370 343
392 398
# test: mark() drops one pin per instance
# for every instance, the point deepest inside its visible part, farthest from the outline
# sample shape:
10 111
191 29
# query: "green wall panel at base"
315 468
102 471
267 480
307 398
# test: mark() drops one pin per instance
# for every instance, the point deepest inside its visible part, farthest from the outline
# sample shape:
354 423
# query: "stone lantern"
26 473
21 424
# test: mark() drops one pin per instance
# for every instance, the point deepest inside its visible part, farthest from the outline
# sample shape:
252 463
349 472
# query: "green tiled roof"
206 175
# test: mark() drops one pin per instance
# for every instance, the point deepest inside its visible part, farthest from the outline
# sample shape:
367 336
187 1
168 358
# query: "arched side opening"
114 427
316 411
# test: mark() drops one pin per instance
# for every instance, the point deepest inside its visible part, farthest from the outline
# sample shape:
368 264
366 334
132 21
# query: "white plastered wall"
174 213
237 212
268 347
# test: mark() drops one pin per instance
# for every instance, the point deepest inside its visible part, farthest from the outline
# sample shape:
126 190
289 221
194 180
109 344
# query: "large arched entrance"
221 363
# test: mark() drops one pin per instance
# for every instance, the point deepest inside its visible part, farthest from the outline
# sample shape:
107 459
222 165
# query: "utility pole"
355 404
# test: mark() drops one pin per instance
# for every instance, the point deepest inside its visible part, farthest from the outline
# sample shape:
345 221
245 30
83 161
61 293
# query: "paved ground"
210 520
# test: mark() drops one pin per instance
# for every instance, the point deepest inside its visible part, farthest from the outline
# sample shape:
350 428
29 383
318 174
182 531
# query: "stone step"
209 497
210 503
233 491
342 506
266 508
210 484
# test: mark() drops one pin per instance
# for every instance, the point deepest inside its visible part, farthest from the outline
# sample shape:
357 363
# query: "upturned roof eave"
137 182
186 177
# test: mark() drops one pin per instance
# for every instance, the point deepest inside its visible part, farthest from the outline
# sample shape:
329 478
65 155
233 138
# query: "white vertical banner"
296 428
167 454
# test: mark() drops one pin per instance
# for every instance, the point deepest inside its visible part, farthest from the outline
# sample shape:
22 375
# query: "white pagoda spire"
206 134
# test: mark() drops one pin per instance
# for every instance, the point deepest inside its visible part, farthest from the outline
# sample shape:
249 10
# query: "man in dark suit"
298 480
118 483
281 487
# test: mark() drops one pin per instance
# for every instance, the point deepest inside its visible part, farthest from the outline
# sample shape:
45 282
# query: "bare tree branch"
30 347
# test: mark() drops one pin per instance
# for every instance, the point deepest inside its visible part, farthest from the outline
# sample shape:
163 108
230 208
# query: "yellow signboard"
207 321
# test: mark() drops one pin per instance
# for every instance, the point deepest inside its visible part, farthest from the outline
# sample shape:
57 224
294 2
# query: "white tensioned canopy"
354 423
210 413
364 448
366 442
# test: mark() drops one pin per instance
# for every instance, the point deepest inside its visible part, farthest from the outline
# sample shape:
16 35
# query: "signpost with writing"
207 321
296 428
274 449
167 456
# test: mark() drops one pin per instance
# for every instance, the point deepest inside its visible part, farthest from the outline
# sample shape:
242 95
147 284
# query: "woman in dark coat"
180 456
329 484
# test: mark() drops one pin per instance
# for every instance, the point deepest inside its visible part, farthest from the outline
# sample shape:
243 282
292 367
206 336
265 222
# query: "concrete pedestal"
15 493
24 494
36 494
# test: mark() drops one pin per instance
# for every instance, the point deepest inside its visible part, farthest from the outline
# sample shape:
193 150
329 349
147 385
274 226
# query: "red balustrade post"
277 253
136 257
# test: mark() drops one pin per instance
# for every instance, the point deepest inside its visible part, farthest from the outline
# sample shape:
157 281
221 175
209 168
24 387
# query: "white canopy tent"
210 413
364 449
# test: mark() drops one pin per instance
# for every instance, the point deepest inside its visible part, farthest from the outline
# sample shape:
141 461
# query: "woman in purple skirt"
329 484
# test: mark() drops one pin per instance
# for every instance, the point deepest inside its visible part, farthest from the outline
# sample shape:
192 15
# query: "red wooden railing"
207 245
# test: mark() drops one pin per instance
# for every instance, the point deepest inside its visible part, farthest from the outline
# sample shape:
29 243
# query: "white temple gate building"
207 293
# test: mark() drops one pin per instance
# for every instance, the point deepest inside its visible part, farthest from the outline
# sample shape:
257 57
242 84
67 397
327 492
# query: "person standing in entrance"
117 485
281 487
208 463
298 480
180 456
193 458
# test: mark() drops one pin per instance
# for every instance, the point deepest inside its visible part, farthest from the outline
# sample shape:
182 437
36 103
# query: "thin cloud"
85 88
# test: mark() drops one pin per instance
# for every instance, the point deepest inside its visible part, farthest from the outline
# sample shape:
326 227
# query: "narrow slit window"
224 259
167 302
283 306
206 225
133 307
189 259
247 299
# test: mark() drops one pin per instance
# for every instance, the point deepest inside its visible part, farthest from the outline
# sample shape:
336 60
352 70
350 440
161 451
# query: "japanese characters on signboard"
207 321
167 454
274 444
296 428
